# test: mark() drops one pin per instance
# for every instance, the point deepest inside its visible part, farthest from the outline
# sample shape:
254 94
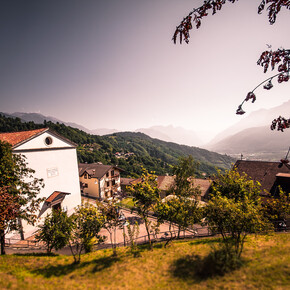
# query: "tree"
277 208
111 215
184 172
236 186
55 230
182 208
9 208
86 222
145 196
235 210
180 212
280 57
19 182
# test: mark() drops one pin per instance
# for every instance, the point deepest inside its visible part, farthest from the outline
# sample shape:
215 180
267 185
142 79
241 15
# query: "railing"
16 243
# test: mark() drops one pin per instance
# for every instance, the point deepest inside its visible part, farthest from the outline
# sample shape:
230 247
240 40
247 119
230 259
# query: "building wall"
98 188
93 186
57 167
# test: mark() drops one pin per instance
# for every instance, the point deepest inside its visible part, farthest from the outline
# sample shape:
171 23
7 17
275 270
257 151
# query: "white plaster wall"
39 142
59 170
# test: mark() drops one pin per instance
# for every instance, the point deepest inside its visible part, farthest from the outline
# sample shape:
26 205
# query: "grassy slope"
267 267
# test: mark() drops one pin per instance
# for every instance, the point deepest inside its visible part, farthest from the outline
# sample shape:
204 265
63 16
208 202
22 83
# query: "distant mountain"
103 131
128 150
39 119
257 118
169 133
255 143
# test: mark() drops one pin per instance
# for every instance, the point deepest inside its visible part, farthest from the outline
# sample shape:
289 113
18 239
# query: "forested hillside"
128 150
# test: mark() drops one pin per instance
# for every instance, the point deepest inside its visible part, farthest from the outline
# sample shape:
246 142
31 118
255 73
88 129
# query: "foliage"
180 212
19 182
86 224
234 210
277 208
153 154
182 208
271 58
236 186
55 230
234 220
145 195
184 172
111 215
131 236
9 208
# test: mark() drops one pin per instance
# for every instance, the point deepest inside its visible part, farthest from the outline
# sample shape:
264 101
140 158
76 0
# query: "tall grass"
266 265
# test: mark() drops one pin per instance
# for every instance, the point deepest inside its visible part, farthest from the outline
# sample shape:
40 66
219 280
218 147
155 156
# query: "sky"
112 64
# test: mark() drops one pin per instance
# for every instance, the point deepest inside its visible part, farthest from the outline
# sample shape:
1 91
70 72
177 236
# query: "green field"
266 266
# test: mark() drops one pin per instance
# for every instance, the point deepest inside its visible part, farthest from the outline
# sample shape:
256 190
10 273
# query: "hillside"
151 153
258 142
173 134
259 118
175 267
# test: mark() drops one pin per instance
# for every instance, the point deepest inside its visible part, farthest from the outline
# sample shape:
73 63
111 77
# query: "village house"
271 175
54 159
99 181
166 182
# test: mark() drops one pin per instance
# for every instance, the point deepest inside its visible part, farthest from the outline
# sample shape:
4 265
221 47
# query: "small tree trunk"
148 232
2 241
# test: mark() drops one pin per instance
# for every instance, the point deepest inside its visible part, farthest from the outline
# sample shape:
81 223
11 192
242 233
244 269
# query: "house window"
85 176
113 182
108 183
48 141
86 185
112 173
107 174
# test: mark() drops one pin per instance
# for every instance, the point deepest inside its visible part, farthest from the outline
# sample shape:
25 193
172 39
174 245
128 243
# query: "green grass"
266 266
127 202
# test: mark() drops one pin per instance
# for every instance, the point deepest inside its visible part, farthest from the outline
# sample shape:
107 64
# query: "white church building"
54 159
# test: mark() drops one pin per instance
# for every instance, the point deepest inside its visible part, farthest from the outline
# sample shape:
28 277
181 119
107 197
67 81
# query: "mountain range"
129 150
251 136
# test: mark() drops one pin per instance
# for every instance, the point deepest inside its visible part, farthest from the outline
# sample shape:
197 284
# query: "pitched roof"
15 138
56 197
95 169
204 185
165 182
263 171
126 181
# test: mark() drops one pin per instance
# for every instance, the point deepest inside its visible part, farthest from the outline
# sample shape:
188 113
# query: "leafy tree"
145 195
182 209
86 223
19 182
279 58
184 172
55 230
181 213
234 210
277 208
111 215
131 236
9 208
236 186
234 220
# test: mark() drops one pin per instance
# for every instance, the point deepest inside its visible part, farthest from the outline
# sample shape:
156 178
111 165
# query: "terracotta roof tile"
15 138
264 172
56 195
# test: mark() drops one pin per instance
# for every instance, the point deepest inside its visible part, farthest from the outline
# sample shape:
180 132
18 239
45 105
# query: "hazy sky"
112 64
